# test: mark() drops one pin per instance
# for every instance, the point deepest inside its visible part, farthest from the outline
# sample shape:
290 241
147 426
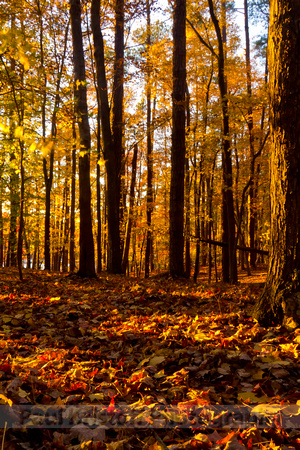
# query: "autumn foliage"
126 363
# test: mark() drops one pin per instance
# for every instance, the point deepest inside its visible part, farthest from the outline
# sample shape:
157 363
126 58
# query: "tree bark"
87 257
176 261
280 300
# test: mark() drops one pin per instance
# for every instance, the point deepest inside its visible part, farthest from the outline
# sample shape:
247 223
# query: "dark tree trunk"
229 262
73 197
280 300
176 260
111 156
1 223
187 194
149 237
99 225
252 199
21 217
118 97
87 258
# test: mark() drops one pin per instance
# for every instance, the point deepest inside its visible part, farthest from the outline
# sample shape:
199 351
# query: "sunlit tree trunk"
130 212
280 300
87 258
176 261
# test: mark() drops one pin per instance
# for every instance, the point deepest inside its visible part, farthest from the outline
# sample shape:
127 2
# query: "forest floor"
124 363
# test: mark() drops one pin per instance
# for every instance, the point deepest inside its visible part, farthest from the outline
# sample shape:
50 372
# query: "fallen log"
224 244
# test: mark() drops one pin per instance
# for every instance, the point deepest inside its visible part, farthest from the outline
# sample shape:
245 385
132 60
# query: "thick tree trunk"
178 141
280 300
87 258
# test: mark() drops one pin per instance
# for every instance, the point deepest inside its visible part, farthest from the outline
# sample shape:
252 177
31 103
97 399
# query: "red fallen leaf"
120 363
142 298
224 342
75 387
226 438
93 372
6 368
111 407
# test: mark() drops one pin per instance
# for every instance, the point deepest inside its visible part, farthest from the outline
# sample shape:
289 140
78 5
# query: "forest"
149 224
106 164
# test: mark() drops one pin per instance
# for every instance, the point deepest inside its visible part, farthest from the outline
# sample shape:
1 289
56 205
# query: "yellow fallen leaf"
5 401
156 360
250 397
59 401
22 394
99 396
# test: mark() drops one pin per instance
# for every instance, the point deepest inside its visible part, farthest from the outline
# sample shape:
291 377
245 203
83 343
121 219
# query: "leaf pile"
121 363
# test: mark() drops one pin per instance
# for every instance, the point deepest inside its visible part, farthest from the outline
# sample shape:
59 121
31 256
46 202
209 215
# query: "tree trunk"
176 261
229 263
1 221
118 102
111 155
98 183
149 150
48 176
87 258
252 206
280 300
73 196
21 217
130 212
187 194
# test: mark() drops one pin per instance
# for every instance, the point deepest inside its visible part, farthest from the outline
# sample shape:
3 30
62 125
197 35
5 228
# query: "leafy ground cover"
123 363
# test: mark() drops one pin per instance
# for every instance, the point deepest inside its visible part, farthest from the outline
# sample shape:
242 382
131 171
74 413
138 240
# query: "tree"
111 152
87 258
178 141
49 160
149 238
229 263
252 216
280 300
